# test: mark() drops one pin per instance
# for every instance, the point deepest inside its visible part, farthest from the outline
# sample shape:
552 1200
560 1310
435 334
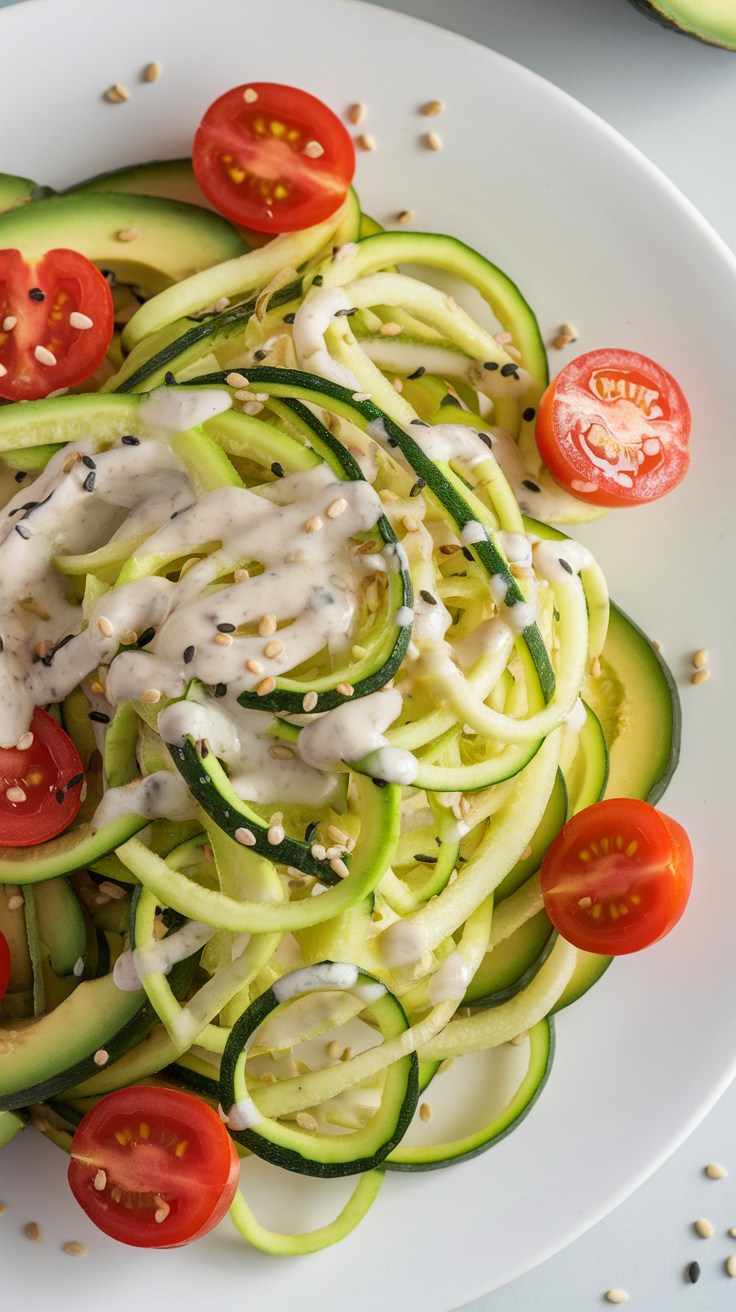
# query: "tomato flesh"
42 348
613 429
617 877
5 965
273 158
40 786
152 1167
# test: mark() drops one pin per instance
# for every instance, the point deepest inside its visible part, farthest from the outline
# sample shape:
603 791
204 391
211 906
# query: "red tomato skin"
659 875
198 1186
560 432
69 282
5 966
241 131
42 816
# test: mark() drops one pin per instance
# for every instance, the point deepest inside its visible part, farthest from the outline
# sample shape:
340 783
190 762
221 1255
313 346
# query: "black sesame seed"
427 596
310 831
507 370
420 483
35 294
20 475
487 440
24 532
490 364
146 637
318 280
527 482
89 482
189 654
428 860
99 717
277 469
169 379
418 372
345 314
693 1272
2 645
449 399
421 423
289 318
529 413
565 564
129 440
393 441
260 355
89 462
78 779
220 689
226 628
204 751
380 783
60 795
468 554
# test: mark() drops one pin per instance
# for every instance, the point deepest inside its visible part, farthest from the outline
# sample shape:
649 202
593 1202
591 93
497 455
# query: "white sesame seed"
224 639
117 94
390 329
715 1171
700 676
361 396
595 668
357 113
243 394
250 96
151 695
366 141
162 1209
339 868
305 1121
15 902
337 834
337 508
267 626
276 835
129 234
519 1038
241 576
345 689
15 794
75 1249
569 330
425 1111
700 658
266 686
617 1296
433 141
78 967
101 1058
9 323
44 356
313 150
314 524
246 837
3 1208
434 108
280 752
585 902
526 853
24 742
310 701
222 303
514 352
452 304
34 1232
561 341
405 216
152 71
731 1266
318 852
704 1228
347 1054
334 1049
444 1065
236 380
3 371
254 667
273 649
105 626
398 384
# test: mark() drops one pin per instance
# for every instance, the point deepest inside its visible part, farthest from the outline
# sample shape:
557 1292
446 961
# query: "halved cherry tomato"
56 323
273 158
617 877
40 785
613 429
5 965
153 1167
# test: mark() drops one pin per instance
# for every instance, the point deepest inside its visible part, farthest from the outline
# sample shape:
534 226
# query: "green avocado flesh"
18 191
175 241
708 20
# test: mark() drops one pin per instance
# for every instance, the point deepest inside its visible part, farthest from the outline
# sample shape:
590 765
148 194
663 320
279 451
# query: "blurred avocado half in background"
713 21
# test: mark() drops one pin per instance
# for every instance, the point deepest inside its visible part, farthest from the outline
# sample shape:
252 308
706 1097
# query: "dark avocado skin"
651 12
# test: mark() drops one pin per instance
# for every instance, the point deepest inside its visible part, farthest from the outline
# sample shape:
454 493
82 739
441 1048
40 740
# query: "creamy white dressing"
403 943
313 318
171 410
124 974
327 975
158 956
486 639
351 731
556 561
159 796
575 719
450 981
243 1115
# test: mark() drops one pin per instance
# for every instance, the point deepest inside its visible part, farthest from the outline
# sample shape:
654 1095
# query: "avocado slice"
713 21
176 239
172 179
19 191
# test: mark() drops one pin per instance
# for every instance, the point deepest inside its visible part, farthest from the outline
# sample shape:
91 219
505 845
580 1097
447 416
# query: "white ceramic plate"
593 234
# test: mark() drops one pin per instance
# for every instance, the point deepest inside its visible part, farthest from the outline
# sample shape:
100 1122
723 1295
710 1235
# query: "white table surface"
676 100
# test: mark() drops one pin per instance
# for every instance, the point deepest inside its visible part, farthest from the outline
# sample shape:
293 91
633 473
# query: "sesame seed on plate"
75 1249
334 1049
246 837
704 1228
519 1038
34 1232
731 1266
699 676
433 141
405 216
700 658
266 686
715 1171
617 1296
305 1121
425 1111
152 71
444 1065
117 93
357 113
366 141
434 108
347 1054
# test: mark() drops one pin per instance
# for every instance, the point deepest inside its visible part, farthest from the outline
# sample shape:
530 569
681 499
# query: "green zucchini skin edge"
278 1154
655 15
511 990
452 1158
285 382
